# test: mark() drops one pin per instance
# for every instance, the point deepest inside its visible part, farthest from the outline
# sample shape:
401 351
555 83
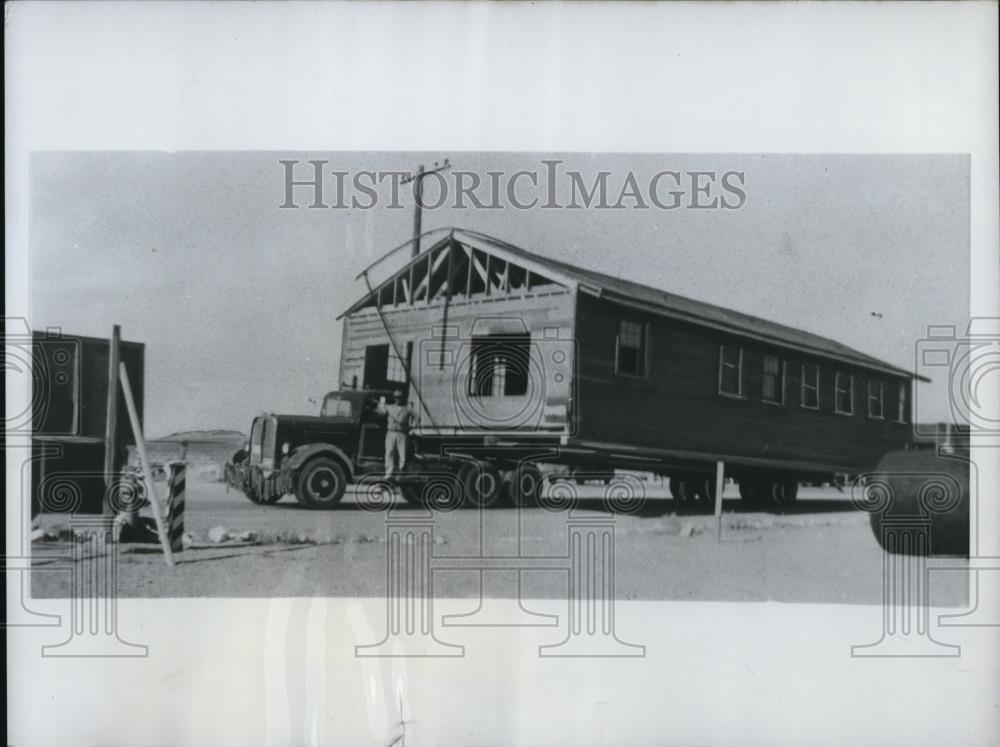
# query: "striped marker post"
175 505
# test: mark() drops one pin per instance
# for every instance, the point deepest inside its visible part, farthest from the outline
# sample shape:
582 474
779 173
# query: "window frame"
880 400
393 359
802 386
782 377
739 372
902 402
479 355
837 391
643 356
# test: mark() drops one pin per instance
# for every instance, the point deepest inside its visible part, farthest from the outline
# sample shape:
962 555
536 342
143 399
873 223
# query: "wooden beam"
111 417
427 280
147 470
468 275
481 271
720 481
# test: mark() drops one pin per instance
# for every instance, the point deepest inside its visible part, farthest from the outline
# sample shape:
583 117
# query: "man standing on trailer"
399 418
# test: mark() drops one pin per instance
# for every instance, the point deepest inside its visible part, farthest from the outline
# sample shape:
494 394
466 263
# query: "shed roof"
636 295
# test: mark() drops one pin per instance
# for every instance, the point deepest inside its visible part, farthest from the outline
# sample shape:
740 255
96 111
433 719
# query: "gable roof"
636 295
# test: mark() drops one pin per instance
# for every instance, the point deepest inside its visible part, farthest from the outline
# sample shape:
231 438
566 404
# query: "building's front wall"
441 337
69 420
676 405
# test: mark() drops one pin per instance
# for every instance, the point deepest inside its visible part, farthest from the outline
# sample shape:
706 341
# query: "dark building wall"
69 419
676 405
71 381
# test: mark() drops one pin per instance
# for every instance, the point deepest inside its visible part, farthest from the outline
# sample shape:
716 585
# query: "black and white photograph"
422 387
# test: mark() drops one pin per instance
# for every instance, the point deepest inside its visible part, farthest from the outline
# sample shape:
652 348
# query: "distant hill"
213 436
205 448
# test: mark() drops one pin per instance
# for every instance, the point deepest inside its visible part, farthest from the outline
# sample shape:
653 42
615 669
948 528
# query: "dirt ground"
820 550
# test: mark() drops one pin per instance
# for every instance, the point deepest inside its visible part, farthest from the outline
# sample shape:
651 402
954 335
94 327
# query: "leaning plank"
140 446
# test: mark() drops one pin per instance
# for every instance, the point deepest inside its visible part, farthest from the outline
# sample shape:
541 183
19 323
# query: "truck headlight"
286 447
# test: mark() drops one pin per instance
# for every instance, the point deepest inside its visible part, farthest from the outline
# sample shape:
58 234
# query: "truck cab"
314 456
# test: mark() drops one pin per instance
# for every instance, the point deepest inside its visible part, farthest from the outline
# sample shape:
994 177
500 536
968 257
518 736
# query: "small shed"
69 414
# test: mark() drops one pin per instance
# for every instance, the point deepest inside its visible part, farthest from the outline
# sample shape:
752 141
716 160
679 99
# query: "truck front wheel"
321 484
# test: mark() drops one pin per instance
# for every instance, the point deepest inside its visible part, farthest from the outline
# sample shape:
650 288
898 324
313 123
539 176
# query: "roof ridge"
668 296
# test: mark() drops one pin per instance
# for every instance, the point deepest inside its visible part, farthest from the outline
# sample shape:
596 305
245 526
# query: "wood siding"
676 406
440 364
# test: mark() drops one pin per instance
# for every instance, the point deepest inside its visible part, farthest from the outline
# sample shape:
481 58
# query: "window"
901 403
844 400
383 368
773 381
876 392
730 371
810 386
630 352
334 406
499 365
395 371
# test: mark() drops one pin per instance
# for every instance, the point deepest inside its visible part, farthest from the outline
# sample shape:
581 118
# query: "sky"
236 298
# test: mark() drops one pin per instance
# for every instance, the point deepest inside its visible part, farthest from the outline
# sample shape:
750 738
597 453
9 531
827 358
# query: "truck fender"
301 455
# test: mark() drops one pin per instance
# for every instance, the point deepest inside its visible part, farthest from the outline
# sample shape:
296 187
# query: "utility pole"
418 197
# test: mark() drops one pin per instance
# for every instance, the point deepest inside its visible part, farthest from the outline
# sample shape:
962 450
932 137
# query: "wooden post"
720 481
111 419
418 198
147 471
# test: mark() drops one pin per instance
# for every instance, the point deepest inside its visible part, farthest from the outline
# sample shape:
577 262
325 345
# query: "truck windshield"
335 407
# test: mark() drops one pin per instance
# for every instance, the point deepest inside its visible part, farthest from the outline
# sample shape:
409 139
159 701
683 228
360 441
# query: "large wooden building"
498 343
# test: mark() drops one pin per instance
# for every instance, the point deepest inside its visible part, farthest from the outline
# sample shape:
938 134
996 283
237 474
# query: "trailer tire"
439 493
783 492
480 483
753 492
321 483
705 490
523 484
691 488
790 491
680 490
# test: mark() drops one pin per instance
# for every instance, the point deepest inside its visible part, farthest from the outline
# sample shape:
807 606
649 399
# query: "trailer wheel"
705 490
691 488
480 483
681 489
782 492
523 484
321 484
437 494
441 494
753 492
789 492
